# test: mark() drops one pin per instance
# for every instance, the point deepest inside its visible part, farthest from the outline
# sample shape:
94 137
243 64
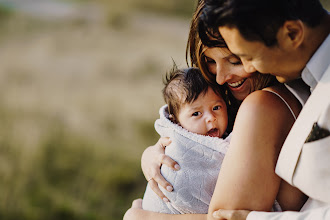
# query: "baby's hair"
184 86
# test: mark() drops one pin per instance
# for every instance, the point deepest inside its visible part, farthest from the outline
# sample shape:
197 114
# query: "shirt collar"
317 65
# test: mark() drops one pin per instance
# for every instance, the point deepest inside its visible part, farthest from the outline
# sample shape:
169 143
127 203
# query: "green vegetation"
78 100
118 11
183 8
326 4
5 13
66 177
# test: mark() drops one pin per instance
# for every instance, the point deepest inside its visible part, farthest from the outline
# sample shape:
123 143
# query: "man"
289 39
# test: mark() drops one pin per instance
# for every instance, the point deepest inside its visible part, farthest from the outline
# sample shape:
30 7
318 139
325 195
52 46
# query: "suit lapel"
291 149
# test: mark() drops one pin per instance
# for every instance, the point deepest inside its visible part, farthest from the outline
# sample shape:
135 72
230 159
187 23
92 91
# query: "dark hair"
184 86
195 51
194 44
257 20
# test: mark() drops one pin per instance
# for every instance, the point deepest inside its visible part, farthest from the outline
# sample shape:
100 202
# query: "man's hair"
184 86
257 20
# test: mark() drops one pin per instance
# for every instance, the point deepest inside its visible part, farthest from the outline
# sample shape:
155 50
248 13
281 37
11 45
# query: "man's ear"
292 33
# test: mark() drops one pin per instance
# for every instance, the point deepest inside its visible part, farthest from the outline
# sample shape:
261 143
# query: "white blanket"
200 158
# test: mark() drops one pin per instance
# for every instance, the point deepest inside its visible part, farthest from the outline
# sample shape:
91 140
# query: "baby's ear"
172 118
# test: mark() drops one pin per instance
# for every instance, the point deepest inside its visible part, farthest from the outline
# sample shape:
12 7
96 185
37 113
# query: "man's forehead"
232 38
236 42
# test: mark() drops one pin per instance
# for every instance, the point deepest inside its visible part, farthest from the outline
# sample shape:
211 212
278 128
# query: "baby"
195 118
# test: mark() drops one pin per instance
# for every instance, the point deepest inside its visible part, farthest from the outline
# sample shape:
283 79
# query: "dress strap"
294 116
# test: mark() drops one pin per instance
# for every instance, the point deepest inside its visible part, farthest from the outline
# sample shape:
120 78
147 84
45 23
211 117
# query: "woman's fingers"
166 160
154 186
152 160
159 179
163 142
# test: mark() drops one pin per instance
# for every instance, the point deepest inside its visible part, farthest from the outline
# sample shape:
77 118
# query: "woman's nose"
223 76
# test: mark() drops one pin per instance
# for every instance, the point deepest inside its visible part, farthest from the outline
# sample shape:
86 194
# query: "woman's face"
229 70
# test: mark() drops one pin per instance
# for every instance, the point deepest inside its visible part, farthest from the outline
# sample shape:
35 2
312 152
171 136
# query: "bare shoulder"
261 126
263 119
273 101
260 104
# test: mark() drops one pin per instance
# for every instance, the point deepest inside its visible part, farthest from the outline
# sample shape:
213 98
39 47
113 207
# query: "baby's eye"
196 113
218 107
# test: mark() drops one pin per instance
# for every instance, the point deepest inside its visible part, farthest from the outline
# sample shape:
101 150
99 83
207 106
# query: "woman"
247 178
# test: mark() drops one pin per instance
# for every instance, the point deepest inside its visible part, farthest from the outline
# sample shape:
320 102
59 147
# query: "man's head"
269 36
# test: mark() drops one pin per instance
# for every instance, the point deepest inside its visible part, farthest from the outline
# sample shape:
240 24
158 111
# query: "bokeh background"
80 88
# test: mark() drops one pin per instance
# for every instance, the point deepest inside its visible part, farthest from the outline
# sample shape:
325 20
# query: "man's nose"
248 67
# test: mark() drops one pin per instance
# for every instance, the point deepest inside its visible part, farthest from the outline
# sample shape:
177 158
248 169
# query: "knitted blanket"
200 158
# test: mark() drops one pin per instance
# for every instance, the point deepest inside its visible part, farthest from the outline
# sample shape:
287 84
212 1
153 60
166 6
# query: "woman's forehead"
217 51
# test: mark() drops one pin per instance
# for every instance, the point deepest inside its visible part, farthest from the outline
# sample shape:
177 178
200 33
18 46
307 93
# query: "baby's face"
207 115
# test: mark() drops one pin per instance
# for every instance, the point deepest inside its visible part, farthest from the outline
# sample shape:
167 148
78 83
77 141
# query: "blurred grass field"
78 99
79 96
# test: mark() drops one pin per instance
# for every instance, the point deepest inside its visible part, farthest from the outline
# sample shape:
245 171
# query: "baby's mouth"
214 132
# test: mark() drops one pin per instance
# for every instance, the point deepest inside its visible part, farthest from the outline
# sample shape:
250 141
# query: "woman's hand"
152 159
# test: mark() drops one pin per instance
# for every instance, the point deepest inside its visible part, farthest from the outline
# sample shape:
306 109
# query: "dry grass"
77 103
78 100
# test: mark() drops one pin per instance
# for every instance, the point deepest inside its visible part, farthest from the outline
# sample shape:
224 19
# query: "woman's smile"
240 89
236 84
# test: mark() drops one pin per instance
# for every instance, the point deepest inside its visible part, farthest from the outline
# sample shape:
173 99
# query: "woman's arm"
137 213
247 178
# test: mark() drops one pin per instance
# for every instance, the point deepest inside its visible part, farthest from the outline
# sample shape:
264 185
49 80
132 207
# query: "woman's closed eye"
211 65
209 60
236 63
234 60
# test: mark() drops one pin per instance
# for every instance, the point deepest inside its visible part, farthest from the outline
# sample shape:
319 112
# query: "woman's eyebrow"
231 55
240 55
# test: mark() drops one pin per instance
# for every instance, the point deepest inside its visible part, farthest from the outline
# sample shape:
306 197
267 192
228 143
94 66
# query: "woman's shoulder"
263 116
273 101
260 100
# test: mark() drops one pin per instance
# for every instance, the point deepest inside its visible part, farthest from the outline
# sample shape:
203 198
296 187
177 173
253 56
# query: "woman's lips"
236 84
213 132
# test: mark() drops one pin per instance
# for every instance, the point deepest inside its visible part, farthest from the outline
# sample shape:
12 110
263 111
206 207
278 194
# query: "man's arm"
322 213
